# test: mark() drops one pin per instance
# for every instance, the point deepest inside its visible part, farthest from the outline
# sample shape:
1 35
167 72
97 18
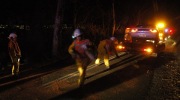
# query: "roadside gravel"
166 80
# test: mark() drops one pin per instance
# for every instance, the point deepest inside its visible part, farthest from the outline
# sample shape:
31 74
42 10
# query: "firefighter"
113 43
79 51
14 53
114 40
105 48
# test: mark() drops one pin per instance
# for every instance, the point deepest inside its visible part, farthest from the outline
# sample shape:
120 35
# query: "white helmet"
12 35
112 38
76 33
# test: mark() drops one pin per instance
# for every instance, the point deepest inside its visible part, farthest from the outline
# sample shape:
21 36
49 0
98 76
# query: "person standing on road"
79 51
14 53
105 48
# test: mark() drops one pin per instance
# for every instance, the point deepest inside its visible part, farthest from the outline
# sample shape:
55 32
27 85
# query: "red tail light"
171 32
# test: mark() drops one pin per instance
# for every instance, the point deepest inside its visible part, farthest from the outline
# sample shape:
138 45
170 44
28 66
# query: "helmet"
112 38
76 33
12 35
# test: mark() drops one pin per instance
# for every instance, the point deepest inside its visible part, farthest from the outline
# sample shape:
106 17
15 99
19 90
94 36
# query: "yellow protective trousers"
15 65
82 64
104 56
103 53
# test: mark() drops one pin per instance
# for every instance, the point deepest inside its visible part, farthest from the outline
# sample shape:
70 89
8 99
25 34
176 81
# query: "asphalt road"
129 83
148 79
131 77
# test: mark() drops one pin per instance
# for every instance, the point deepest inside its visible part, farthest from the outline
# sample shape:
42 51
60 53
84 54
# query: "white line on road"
76 72
112 70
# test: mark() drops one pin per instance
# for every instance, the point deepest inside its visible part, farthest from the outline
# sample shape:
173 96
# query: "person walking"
105 48
79 51
14 53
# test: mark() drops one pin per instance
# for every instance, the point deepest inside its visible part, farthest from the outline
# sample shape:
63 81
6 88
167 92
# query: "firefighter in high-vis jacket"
113 44
14 52
105 48
79 51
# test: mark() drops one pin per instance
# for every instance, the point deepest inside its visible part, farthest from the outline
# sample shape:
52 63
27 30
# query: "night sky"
43 11
27 10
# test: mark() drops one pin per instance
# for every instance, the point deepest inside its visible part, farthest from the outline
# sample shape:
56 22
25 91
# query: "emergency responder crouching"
79 51
105 48
113 43
14 52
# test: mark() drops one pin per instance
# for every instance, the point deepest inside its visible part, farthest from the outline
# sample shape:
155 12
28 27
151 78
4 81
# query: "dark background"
43 11
95 16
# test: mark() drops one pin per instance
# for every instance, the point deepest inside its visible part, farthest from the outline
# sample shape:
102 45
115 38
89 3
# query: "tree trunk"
156 8
114 21
57 28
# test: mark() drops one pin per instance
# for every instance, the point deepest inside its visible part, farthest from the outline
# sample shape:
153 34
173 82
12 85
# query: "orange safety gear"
14 52
105 48
79 51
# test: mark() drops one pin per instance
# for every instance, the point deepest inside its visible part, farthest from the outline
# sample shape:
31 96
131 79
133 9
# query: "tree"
114 21
57 38
155 7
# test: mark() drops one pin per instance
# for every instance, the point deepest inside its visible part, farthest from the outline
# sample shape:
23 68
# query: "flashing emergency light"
169 31
166 30
160 25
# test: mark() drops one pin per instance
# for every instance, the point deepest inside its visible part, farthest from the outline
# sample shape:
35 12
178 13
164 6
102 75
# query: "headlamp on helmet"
76 33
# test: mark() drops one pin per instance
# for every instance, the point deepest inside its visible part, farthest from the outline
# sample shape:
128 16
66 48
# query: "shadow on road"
113 79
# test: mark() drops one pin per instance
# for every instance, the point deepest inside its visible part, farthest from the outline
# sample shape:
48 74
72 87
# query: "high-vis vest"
81 46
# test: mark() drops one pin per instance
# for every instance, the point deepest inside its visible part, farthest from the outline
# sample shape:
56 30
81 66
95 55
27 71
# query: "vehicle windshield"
145 26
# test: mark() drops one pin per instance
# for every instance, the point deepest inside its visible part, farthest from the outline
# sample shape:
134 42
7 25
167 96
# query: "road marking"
72 86
24 78
88 68
112 70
